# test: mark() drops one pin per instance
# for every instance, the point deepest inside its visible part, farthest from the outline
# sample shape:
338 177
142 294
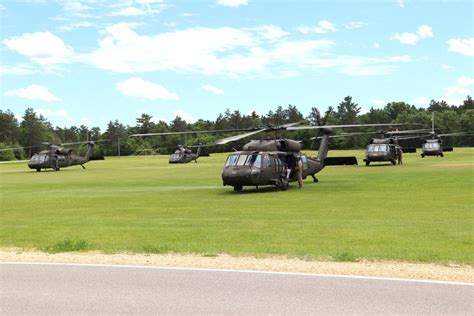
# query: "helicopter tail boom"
324 146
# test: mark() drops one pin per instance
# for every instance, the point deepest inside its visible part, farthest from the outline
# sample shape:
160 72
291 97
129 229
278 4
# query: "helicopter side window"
267 161
254 160
231 160
242 160
377 148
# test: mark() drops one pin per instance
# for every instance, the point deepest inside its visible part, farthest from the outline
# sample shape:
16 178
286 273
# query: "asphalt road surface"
95 289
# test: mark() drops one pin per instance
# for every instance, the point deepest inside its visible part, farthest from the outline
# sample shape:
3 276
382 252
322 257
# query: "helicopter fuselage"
432 147
45 161
271 162
380 150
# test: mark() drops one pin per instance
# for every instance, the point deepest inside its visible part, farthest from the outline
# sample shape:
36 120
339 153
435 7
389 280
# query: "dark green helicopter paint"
383 149
266 162
184 155
56 158
434 146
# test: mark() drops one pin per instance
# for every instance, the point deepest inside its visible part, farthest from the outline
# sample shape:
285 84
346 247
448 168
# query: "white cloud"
43 48
455 95
423 32
324 26
189 118
354 25
75 6
379 102
420 101
259 51
401 3
130 11
462 46
270 32
212 89
376 45
33 92
75 26
139 88
232 3
465 81
406 38
17 70
446 67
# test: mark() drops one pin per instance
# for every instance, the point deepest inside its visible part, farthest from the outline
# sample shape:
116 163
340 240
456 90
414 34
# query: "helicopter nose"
236 175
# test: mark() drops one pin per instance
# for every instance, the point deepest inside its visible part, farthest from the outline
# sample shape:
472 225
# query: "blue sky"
92 61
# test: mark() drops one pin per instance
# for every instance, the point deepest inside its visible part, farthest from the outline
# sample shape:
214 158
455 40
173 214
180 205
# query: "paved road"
73 289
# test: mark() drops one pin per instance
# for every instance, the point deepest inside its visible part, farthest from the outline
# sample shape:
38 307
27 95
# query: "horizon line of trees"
34 129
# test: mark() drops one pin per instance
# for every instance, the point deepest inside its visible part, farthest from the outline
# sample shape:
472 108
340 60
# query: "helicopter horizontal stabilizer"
409 150
340 161
97 158
448 149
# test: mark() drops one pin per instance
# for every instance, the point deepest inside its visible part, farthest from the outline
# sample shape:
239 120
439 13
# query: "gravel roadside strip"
391 269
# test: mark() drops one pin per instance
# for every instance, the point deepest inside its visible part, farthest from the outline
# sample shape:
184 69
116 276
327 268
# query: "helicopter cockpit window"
231 160
39 158
431 146
377 148
254 160
242 160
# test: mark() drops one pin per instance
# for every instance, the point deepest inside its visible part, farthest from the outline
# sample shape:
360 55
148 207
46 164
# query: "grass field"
420 212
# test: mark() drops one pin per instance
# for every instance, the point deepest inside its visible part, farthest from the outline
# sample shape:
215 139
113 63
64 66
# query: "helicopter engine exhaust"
288 145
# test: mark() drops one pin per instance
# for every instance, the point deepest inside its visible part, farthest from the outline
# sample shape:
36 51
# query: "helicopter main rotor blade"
457 134
346 135
237 137
294 128
85 142
413 131
16 148
194 132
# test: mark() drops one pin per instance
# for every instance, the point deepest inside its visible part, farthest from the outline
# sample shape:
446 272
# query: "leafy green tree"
9 127
33 130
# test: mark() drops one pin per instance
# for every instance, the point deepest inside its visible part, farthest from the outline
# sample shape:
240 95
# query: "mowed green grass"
419 212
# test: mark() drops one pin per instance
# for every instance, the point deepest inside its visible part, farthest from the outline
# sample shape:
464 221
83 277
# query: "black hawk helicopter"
57 157
387 148
274 161
434 146
184 154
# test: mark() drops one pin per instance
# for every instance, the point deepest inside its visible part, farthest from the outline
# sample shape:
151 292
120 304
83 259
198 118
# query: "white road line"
244 271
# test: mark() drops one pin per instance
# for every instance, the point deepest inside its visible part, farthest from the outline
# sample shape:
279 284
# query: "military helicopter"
387 148
57 157
183 154
274 161
380 149
434 146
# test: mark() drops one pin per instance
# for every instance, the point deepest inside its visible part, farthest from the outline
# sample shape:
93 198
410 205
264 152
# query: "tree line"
34 129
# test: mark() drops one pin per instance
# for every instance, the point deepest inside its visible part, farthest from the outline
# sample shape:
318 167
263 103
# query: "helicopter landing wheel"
441 155
393 161
422 156
367 163
38 169
238 188
284 185
314 178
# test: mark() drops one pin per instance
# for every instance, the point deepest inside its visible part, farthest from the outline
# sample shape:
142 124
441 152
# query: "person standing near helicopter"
299 171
